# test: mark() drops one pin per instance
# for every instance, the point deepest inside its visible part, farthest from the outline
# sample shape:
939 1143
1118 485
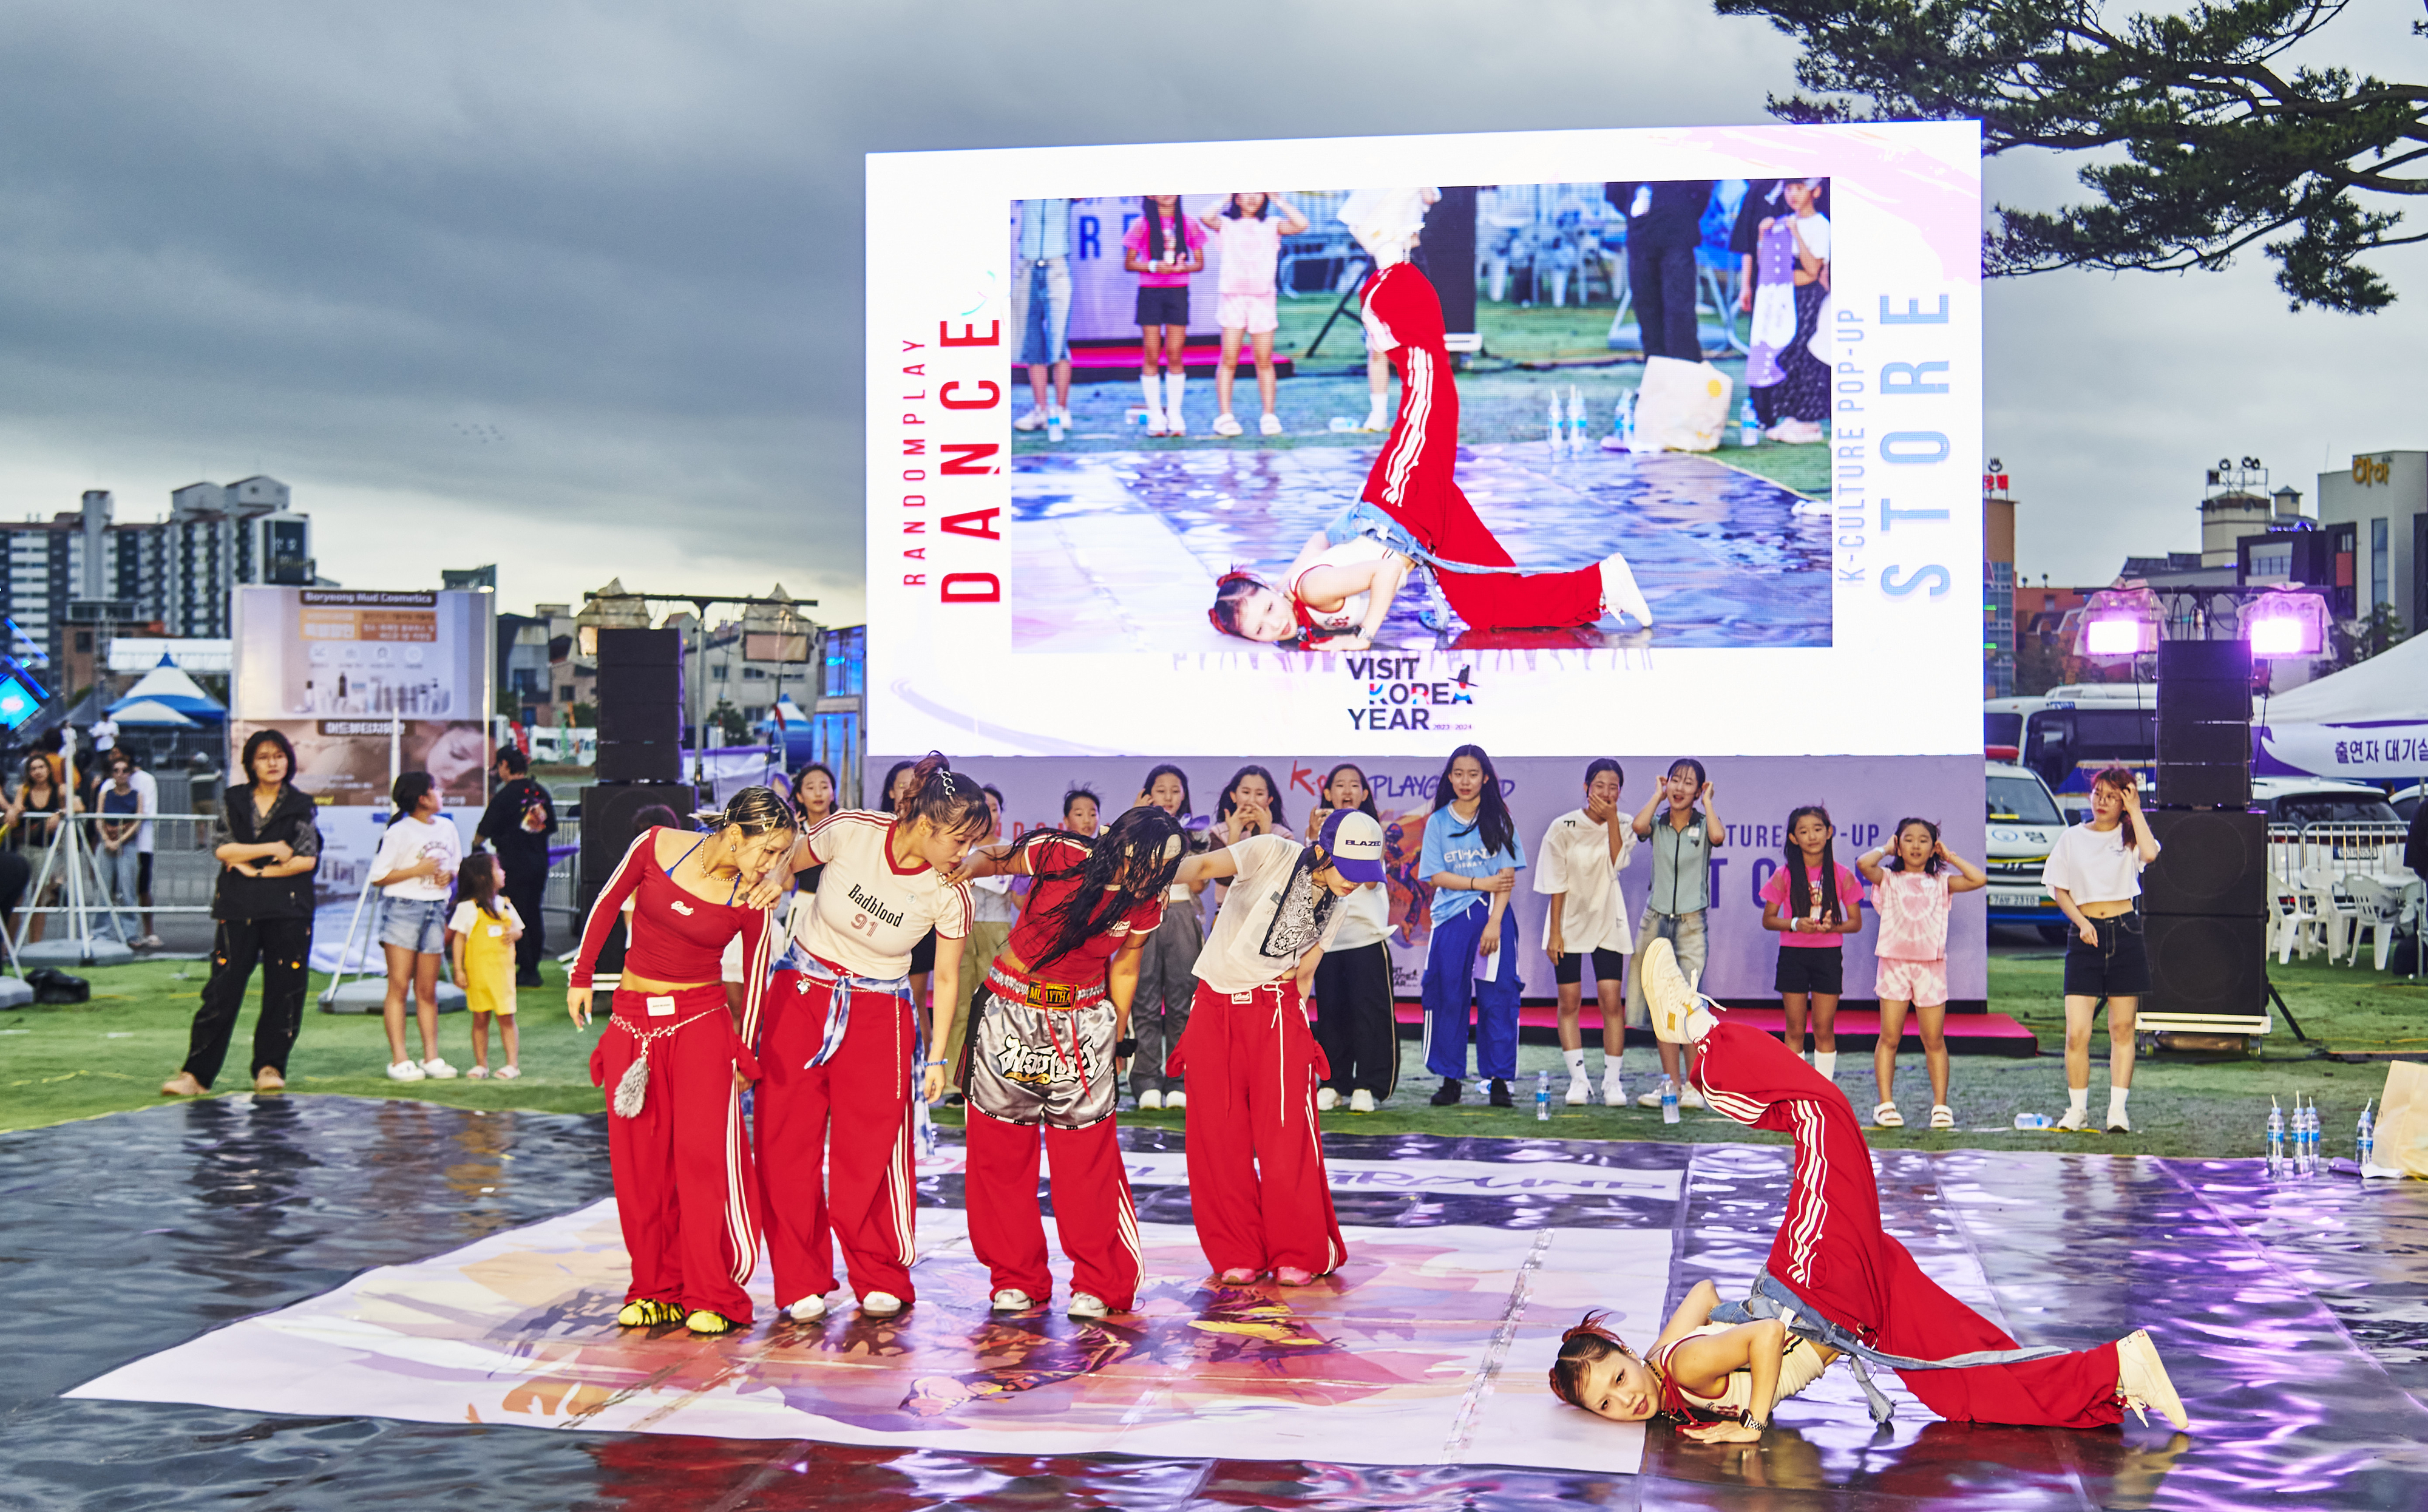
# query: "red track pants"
1092 1212
834 1142
1832 1252
1256 1182
684 1190
1441 519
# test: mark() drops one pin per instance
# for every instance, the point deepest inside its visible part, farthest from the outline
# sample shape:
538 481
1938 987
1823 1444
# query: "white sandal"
1942 1116
1887 1116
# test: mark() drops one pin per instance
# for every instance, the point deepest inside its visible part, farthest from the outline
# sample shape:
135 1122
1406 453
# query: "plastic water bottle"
2034 1121
1631 420
2276 1140
1576 432
2365 1141
1556 433
1668 1099
1748 427
2304 1151
2318 1153
1542 1096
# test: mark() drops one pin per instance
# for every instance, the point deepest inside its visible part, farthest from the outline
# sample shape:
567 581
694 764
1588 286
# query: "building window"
565 693
2381 566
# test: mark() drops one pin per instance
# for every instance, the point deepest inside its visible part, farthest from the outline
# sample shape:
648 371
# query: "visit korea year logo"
1392 692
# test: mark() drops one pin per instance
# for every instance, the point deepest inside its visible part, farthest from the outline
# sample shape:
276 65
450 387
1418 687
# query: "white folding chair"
2336 915
2376 907
2296 923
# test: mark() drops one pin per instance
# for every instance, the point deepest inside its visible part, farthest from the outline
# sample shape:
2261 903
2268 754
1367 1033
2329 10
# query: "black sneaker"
1501 1093
529 978
1447 1096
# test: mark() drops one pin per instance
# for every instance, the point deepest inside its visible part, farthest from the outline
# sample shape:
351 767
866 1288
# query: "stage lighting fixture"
2287 623
2121 623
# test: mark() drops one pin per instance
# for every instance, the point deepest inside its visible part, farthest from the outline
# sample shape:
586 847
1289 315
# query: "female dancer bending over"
1068 973
675 1062
1834 1278
1256 1182
842 1038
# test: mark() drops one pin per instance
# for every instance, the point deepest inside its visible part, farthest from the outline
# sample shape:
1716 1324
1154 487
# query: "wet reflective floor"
1120 551
2292 1317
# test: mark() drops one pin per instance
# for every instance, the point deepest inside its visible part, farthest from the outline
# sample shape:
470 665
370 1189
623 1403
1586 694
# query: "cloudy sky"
575 287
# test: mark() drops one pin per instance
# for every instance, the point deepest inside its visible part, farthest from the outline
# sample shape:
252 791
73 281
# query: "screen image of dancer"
1428 572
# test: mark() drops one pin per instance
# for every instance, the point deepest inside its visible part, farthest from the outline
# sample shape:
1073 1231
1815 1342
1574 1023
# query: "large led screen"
1598 562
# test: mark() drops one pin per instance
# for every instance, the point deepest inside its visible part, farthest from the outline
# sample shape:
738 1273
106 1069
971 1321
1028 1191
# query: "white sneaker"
405 1071
2118 1123
1667 994
1619 594
1326 1099
1361 1101
1155 422
2141 1380
1688 1096
1227 424
1653 1098
2076 1118
1150 1100
1580 1091
880 1305
1269 426
1613 1088
1084 1305
1010 1299
437 1070
809 1310
1175 1099
1034 420
1175 423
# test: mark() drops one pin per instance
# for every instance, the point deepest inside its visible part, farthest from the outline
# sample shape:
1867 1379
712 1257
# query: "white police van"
2024 823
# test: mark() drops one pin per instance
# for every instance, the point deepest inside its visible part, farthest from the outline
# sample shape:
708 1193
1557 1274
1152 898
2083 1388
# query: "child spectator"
1682 841
481 937
1163 247
1471 855
1584 852
1914 896
1250 229
1812 903
414 869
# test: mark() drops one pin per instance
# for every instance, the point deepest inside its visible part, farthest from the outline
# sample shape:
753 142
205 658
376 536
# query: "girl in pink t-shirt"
1814 904
1164 247
1248 233
1912 896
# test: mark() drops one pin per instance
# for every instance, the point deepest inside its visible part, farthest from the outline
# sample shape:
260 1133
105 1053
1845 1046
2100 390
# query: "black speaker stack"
2204 900
640 698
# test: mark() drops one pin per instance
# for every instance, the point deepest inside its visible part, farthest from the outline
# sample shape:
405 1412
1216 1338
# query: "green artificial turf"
112 1053
78 1060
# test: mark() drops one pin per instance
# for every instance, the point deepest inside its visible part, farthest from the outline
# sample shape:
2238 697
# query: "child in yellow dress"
481 942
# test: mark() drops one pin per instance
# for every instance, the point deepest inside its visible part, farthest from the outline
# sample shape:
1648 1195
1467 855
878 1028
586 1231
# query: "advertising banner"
365 684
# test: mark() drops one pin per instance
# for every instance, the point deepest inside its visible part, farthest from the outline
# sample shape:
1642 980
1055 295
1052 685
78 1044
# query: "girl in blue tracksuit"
1471 856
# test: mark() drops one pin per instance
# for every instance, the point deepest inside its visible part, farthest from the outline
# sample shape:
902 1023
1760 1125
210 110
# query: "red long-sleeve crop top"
676 935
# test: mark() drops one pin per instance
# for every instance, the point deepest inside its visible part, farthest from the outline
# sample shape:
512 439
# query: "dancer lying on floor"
1342 583
1412 511
1835 1280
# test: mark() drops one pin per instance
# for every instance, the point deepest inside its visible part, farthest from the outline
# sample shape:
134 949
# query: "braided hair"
1128 864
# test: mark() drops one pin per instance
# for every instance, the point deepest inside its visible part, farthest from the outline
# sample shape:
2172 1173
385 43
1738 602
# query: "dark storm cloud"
576 287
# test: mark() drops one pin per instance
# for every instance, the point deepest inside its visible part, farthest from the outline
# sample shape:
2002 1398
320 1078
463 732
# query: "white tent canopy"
150 712
167 685
2392 684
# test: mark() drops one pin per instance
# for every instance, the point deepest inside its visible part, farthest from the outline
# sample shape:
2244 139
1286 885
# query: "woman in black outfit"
267 847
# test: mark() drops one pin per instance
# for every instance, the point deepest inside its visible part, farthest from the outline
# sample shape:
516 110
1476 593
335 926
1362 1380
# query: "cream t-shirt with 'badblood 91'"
868 912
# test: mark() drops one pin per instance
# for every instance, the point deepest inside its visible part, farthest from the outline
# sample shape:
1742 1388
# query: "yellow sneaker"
648 1312
705 1322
